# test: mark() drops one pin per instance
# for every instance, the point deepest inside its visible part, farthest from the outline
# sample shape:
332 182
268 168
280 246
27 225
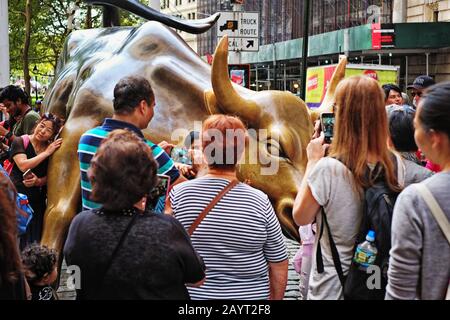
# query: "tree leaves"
49 30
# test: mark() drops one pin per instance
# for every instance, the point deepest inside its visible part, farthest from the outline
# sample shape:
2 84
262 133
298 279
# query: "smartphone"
156 199
27 174
327 123
181 155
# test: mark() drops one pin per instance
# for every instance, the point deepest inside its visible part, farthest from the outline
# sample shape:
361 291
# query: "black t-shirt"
154 262
40 171
42 293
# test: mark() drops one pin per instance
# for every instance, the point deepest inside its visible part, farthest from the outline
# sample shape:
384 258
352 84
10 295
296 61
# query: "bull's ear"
210 102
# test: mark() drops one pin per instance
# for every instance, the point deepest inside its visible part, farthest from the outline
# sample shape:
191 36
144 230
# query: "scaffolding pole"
305 47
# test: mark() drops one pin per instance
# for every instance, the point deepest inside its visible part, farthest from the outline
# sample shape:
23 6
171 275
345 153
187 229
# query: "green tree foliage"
49 31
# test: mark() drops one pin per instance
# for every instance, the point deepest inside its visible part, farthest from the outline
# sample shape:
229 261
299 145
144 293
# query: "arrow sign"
250 43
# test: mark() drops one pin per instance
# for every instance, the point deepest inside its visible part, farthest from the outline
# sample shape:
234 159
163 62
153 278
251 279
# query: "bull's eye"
275 149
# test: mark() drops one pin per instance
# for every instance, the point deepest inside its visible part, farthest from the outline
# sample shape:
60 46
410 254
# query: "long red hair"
361 128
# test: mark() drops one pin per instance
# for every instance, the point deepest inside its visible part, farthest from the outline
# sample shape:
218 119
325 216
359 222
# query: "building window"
435 16
193 15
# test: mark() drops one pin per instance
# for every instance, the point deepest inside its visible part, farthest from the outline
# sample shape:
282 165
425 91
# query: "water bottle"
366 252
307 236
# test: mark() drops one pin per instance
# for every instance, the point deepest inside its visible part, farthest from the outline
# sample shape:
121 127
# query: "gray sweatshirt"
419 265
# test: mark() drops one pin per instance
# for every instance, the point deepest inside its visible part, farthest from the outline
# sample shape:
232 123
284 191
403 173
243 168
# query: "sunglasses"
52 117
48 116
419 94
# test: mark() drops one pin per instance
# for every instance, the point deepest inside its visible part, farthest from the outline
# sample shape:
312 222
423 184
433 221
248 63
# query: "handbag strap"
208 208
334 251
435 209
116 249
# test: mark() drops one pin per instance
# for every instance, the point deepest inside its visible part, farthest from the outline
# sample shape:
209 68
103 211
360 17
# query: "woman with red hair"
240 238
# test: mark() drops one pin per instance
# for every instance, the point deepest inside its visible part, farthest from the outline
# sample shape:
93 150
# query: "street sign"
243 44
242 29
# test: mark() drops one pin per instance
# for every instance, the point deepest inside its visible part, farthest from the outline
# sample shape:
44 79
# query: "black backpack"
378 207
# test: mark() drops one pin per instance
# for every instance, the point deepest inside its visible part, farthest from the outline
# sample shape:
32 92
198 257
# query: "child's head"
40 264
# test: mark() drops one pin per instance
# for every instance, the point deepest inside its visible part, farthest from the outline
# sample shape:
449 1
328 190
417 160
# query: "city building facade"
186 10
419 29
427 10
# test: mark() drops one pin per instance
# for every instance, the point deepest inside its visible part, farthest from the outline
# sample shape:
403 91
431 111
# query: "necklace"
124 212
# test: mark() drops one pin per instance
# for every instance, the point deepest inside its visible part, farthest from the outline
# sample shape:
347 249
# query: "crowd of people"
219 238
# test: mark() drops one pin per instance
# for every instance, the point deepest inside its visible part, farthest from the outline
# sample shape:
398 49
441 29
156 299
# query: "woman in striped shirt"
240 239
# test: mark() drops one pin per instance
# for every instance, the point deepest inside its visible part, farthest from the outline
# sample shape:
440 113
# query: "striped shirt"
236 240
90 142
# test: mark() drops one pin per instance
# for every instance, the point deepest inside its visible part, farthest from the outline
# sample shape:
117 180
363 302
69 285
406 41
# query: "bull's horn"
134 6
228 99
327 103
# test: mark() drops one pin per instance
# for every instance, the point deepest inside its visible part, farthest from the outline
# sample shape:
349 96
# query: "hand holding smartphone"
327 123
157 197
27 174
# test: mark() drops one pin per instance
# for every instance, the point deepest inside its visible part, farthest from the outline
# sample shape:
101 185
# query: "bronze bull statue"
186 89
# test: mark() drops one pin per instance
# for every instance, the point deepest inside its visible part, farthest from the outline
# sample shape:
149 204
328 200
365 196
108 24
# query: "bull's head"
284 128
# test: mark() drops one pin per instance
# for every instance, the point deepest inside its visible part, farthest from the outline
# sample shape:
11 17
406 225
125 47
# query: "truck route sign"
242 29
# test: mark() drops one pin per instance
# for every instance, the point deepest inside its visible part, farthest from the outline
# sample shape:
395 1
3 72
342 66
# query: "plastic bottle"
366 252
307 236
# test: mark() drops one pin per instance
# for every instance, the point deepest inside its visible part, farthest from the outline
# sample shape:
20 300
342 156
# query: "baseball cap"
421 82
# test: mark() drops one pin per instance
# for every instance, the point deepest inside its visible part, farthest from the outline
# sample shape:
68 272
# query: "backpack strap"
25 140
435 209
334 251
319 259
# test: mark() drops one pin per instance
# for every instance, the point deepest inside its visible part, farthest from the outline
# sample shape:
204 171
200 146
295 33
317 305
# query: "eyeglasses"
413 94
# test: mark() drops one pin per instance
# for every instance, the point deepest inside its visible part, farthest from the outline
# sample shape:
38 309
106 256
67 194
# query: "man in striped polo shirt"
133 109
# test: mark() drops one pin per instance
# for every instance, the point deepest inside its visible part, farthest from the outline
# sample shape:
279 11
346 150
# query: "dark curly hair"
38 261
122 171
